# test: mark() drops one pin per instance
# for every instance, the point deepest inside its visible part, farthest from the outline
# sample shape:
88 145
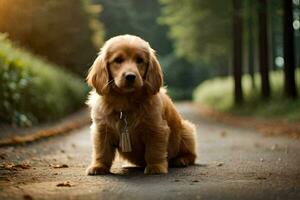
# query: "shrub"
218 93
181 77
33 90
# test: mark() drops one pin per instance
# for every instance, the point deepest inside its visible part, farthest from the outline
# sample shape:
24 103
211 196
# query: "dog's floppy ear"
154 75
98 75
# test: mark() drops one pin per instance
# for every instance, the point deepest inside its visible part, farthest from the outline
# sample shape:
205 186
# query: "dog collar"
124 143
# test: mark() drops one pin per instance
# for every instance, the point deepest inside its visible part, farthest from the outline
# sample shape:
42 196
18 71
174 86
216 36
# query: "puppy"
131 112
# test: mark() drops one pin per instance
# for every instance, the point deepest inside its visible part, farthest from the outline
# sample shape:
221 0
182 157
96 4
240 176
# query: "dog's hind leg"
187 149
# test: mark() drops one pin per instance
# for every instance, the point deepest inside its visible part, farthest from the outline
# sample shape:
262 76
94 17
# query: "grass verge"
218 94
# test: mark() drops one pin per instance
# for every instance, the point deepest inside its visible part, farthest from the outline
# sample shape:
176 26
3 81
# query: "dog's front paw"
96 170
156 169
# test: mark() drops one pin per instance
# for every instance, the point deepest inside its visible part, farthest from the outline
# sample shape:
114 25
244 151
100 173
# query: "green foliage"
200 29
137 17
218 93
65 32
181 77
33 90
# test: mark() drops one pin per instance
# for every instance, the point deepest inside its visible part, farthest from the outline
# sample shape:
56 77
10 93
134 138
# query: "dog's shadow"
135 171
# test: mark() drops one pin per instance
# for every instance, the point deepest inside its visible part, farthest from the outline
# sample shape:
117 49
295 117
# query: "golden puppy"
131 113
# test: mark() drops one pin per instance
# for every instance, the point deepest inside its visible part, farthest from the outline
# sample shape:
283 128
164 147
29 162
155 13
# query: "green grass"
218 94
33 90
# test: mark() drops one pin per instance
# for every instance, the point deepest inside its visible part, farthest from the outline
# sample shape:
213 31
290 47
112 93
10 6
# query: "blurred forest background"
236 56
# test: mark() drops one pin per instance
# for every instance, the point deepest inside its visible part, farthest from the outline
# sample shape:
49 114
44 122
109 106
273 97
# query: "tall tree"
201 30
263 48
276 34
250 41
289 53
237 51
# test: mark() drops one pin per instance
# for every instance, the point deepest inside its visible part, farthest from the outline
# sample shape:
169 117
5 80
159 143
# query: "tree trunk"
288 50
250 43
271 45
263 49
237 51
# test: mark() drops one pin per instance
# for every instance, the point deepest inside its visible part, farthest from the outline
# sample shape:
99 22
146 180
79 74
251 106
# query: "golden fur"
159 136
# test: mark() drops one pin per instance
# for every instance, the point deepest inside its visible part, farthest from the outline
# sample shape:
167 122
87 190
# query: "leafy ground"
218 94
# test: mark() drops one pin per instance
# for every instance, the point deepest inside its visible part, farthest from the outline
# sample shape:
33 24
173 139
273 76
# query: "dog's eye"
139 60
119 60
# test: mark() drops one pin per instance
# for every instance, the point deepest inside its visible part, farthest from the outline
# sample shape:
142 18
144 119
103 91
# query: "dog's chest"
131 146
133 126
137 126
127 123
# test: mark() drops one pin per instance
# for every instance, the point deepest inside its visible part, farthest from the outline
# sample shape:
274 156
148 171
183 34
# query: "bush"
181 77
33 90
218 93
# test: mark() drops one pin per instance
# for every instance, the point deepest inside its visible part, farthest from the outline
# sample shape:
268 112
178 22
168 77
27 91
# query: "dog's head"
126 64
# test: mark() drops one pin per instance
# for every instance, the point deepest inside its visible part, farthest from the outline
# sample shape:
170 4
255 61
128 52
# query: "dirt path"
233 163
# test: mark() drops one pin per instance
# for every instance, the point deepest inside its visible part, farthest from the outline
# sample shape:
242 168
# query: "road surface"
233 163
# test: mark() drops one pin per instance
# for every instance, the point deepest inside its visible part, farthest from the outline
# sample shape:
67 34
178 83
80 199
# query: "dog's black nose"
130 77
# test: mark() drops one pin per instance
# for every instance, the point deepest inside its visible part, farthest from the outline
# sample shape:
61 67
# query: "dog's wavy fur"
159 136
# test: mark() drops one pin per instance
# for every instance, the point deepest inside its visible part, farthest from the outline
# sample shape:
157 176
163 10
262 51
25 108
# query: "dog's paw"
156 169
96 170
182 161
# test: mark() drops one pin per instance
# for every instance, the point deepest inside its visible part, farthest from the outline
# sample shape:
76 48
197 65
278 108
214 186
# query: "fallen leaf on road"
286 149
12 166
223 133
8 166
279 159
59 166
257 145
34 158
64 184
203 173
27 197
201 164
274 147
2 156
23 166
261 178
